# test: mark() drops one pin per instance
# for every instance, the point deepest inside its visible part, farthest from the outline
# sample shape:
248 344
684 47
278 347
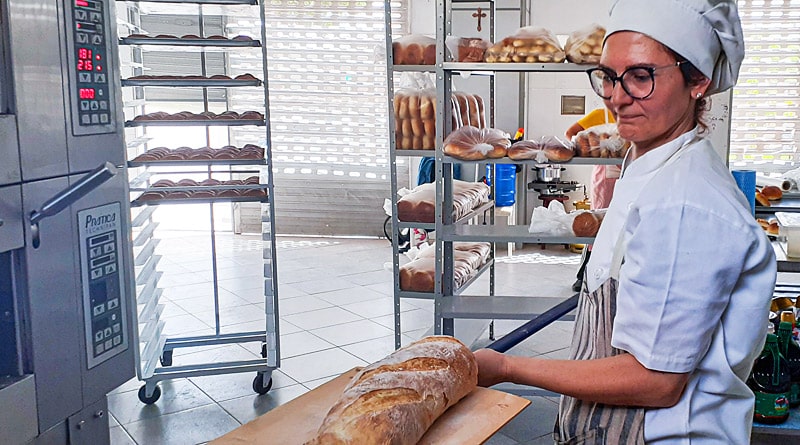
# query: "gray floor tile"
321 318
176 395
409 321
119 436
179 280
320 285
302 304
177 293
181 325
237 285
226 353
247 408
205 303
131 385
372 308
386 288
371 277
235 315
301 343
188 427
351 294
372 350
236 385
316 365
318 382
353 332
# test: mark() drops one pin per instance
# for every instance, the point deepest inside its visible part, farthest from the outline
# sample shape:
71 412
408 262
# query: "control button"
113 317
85 119
111 268
80 15
97 273
101 92
99 309
108 344
83 37
84 77
95 252
104 105
98 336
100 77
103 118
95 17
107 332
84 105
97 40
117 327
94 105
108 248
95 119
98 349
113 304
117 340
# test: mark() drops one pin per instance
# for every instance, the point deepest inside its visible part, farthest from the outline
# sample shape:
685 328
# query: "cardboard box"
469 422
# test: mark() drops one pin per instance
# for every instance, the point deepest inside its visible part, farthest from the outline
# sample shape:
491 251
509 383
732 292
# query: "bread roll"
773 228
413 54
417 127
429 142
772 193
472 144
429 127
406 128
429 55
481 112
395 400
427 107
762 200
474 118
403 112
413 106
398 54
558 153
524 150
587 223
417 143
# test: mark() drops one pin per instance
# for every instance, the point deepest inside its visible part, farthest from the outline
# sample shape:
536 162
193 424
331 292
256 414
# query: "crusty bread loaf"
772 193
587 223
395 400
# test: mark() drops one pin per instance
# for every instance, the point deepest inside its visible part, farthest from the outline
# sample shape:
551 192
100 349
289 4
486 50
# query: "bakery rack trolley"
155 348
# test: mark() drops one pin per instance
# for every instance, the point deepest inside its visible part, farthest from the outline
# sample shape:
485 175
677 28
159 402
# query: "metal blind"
764 118
329 114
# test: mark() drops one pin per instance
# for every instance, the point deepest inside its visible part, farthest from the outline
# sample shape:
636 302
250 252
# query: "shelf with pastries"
209 190
215 41
459 289
250 154
215 81
187 118
471 260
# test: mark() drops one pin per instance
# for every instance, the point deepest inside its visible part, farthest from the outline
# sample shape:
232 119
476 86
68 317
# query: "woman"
675 306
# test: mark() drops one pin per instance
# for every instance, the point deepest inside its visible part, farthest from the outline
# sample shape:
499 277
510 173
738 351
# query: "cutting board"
471 421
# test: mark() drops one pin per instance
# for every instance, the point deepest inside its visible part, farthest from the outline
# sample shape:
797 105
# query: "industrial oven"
67 333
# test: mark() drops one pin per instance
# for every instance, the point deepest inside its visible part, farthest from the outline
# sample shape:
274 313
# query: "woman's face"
668 112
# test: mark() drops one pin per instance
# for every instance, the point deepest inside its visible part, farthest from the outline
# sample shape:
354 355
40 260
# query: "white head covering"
707 33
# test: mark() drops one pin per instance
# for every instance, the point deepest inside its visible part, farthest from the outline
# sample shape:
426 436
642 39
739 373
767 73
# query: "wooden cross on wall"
479 15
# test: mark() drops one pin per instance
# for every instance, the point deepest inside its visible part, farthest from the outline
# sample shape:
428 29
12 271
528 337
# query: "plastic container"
506 186
789 227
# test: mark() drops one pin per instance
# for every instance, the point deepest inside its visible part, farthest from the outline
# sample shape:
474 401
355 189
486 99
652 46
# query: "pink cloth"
604 177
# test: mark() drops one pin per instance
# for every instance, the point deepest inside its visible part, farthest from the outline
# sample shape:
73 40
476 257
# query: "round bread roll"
429 142
557 152
404 112
772 193
407 142
413 106
587 223
429 127
481 112
417 143
417 127
398 54
524 150
474 118
429 55
408 130
773 228
427 107
413 54
762 200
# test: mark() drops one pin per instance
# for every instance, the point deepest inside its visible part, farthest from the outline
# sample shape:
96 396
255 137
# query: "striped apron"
581 422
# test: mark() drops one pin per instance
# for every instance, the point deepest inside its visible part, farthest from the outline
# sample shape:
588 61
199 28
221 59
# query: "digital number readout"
86 93
85 60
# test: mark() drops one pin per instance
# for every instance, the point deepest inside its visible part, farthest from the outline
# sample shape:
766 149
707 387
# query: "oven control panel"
100 232
91 83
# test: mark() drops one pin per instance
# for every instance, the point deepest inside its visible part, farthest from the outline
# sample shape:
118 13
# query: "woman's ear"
699 87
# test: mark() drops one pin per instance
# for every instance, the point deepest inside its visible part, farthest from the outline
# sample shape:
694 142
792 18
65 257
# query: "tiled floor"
336 313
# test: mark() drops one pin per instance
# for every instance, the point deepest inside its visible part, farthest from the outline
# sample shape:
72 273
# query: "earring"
699 95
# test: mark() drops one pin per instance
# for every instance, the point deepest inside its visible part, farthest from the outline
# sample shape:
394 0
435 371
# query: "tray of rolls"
229 118
249 154
217 80
207 190
190 40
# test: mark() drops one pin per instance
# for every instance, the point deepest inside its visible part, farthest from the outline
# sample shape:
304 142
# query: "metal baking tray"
210 83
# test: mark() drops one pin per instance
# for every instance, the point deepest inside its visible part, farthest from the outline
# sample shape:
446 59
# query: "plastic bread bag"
556 149
600 141
469 143
466 49
585 45
498 53
414 117
527 150
414 49
534 45
552 220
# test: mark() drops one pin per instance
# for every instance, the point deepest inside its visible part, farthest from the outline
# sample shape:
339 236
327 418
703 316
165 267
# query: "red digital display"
83 3
85 60
86 93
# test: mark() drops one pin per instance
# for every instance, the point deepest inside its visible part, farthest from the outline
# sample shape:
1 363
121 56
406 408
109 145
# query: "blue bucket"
505 188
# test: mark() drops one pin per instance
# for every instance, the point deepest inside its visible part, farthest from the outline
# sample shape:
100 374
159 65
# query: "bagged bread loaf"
601 141
585 45
543 150
414 49
527 45
466 49
414 114
418 274
473 144
419 205
395 400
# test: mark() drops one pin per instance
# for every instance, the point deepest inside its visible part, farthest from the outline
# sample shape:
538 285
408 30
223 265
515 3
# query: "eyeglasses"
639 82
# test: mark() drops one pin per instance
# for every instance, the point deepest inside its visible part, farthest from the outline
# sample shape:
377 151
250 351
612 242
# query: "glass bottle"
771 383
791 351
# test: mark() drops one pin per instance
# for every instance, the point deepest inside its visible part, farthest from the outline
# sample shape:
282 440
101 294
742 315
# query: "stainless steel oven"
66 288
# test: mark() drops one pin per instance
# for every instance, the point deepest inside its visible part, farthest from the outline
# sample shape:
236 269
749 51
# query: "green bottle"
771 384
791 351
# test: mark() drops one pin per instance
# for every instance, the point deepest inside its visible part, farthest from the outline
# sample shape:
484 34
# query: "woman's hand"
491 367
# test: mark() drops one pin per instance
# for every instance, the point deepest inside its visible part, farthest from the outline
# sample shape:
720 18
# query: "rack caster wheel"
166 358
149 400
259 385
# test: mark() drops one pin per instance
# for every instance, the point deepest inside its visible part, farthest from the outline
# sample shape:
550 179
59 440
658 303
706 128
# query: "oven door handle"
69 195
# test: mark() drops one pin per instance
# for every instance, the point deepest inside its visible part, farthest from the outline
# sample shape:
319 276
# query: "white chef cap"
707 33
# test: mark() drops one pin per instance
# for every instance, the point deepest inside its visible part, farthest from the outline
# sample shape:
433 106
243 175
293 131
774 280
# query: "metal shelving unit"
155 352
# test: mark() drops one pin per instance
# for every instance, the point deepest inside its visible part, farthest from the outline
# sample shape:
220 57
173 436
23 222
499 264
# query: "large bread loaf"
395 400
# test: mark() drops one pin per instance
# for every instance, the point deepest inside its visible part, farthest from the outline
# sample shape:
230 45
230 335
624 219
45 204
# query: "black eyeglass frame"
614 78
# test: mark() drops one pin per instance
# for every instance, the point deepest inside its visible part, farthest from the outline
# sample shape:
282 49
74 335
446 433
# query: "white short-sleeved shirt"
694 290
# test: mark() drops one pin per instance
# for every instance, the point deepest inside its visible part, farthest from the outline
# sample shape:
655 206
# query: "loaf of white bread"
395 400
